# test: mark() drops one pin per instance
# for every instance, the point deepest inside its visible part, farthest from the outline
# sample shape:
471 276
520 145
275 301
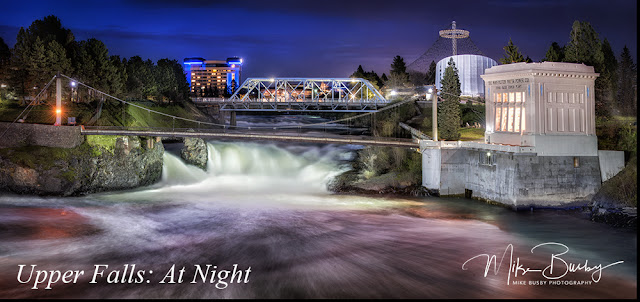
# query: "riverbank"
374 172
99 163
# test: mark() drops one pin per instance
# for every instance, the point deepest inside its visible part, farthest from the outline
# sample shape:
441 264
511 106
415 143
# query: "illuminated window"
193 73
510 123
509 111
516 125
503 123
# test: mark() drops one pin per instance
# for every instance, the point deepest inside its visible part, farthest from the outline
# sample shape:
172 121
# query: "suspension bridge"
319 95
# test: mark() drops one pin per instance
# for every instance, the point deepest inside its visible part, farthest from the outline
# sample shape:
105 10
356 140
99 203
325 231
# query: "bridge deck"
309 137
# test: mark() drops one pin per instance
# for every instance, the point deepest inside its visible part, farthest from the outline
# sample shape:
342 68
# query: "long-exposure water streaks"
266 207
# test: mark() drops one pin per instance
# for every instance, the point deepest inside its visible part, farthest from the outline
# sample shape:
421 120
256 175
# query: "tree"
118 79
50 29
512 55
5 57
94 66
370 76
627 85
431 74
5 53
609 74
584 47
397 80
140 78
449 113
399 67
384 78
417 78
171 81
555 53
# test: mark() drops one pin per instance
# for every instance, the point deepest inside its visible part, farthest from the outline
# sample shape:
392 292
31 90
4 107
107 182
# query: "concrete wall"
611 162
20 135
517 179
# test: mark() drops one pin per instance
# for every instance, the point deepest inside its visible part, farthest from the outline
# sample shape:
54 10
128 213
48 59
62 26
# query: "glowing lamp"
393 92
58 111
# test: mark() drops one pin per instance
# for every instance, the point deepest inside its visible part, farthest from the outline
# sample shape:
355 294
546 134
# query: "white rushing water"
268 207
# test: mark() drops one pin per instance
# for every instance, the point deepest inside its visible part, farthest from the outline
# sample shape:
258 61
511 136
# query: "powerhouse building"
470 68
217 75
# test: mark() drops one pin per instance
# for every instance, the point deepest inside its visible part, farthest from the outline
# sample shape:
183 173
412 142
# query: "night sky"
326 38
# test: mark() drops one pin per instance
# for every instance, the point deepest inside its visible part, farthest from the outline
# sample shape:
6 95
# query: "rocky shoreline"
112 164
601 208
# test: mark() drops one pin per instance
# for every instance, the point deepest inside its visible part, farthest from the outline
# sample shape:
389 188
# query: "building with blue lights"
213 77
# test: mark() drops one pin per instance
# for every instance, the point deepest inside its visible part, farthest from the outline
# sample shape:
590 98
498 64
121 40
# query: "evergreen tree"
169 78
628 81
431 74
398 67
5 53
417 78
449 113
5 57
118 79
609 74
384 78
512 55
555 53
584 47
56 59
139 78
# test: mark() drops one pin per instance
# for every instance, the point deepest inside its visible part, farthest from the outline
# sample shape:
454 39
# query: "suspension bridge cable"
30 105
391 106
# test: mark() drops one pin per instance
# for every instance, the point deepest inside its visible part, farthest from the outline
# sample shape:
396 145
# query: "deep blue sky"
321 38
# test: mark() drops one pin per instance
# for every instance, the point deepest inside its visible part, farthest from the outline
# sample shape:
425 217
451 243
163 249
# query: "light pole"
432 93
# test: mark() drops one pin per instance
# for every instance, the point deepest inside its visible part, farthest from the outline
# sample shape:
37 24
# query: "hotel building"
214 74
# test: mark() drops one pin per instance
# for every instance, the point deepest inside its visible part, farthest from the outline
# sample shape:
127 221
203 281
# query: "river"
264 208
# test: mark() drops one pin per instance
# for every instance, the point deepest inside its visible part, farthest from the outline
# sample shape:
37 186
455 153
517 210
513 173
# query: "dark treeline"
45 48
617 84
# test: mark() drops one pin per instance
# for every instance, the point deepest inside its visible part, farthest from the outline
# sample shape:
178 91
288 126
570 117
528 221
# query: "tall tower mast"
454 34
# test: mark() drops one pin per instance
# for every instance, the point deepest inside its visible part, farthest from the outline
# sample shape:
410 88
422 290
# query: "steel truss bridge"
303 94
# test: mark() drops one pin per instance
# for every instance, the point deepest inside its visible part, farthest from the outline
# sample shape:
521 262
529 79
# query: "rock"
80 170
195 152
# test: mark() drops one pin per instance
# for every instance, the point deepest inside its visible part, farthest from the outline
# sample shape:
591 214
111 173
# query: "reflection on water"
267 208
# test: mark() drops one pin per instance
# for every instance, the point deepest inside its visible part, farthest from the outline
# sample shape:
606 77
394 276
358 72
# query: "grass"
101 142
37 156
471 134
113 113
623 187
